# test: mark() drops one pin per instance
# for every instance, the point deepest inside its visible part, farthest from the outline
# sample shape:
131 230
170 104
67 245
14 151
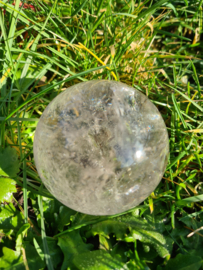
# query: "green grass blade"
34 46
181 155
172 35
44 240
196 78
98 21
79 8
178 111
7 59
13 24
193 199
151 9
185 96
23 18
99 6
25 191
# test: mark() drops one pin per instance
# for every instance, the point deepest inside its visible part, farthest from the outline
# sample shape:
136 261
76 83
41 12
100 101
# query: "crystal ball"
101 147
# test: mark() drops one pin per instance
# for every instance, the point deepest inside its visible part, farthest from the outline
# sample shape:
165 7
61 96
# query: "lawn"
155 46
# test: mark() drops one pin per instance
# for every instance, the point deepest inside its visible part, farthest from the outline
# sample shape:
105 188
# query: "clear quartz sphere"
101 147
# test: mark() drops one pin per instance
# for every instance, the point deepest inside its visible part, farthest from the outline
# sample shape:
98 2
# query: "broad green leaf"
9 161
118 226
5 241
147 252
156 222
20 235
54 250
7 189
10 218
157 240
139 229
97 260
11 260
184 262
50 207
131 265
64 217
50 211
80 218
197 252
107 227
9 166
72 244
33 259
119 250
104 242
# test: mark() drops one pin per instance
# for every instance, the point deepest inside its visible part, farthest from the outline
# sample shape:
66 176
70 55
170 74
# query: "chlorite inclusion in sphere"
101 147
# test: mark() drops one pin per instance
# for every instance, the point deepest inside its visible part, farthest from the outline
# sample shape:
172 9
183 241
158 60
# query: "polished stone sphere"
101 147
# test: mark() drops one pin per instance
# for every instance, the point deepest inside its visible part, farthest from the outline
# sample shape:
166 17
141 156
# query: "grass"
154 46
